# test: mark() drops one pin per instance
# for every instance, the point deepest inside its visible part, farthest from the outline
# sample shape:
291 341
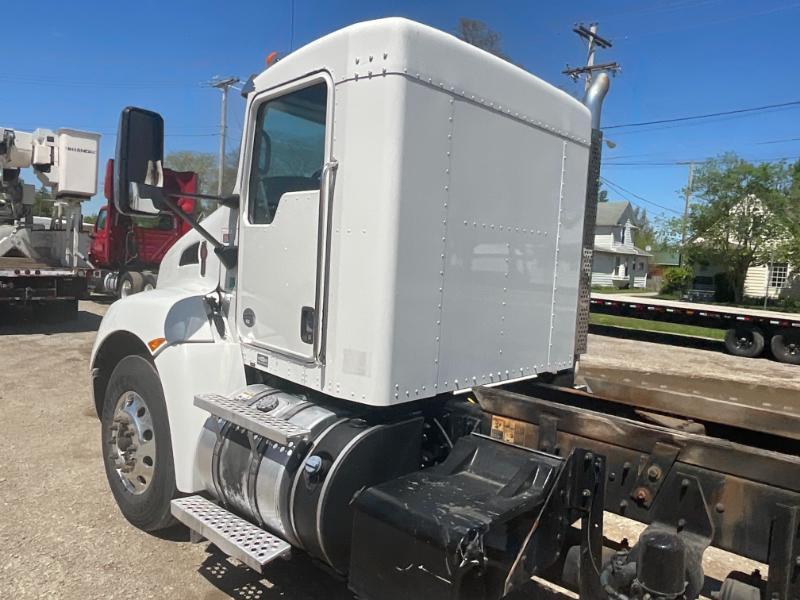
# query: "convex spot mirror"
138 163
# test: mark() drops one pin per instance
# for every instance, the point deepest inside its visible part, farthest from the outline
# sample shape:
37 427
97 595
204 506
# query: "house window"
778 275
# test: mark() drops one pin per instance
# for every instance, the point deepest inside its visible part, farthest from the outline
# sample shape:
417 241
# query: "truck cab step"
252 419
233 535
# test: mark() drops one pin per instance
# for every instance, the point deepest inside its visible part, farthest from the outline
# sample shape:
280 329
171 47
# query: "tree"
42 203
743 217
645 235
205 164
480 35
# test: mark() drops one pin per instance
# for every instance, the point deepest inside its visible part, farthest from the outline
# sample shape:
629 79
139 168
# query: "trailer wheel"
130 282
744 341
137 451
785 346
149 283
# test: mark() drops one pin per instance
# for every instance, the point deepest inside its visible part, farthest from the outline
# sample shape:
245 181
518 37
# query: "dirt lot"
62 536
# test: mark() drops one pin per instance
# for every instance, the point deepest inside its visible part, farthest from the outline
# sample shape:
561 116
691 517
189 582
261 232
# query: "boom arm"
65 161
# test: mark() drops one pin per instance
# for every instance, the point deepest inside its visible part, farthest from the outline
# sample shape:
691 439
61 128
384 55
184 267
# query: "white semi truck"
354 356
40 265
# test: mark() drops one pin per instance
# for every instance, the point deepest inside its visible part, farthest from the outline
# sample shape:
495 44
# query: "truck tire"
785 346
137 448
149 282
745 341
130 282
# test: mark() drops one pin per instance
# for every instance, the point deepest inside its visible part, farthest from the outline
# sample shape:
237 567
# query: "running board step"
233 535
252 419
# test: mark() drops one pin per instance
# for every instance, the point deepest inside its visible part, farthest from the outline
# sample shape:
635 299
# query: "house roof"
611 213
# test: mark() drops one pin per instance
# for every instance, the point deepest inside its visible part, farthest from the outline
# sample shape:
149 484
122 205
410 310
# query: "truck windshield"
289 149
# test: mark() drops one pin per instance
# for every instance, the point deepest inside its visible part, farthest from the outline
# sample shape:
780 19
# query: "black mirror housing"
140 148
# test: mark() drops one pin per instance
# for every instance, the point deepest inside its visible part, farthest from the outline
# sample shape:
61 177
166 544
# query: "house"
775 280
617 262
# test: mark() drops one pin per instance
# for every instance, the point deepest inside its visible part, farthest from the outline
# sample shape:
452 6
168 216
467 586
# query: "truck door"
99 249
280 233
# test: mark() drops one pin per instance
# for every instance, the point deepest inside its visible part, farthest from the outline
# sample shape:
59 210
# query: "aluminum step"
252 419
233 535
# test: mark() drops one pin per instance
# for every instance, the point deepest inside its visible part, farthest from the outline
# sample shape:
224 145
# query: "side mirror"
138 163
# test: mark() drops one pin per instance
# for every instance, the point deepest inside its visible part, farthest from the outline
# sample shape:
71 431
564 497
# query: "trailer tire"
785 346
134 418
149 282
129 283
745 341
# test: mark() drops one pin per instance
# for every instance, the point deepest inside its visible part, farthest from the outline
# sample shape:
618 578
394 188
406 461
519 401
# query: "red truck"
125 252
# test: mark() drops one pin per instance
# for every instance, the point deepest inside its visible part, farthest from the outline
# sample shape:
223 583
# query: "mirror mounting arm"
227 254
231 201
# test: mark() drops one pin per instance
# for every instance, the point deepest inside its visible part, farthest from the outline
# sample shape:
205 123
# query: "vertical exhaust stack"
593 100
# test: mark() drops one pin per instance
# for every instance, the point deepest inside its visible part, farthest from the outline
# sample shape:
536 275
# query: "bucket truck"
44 265
366 353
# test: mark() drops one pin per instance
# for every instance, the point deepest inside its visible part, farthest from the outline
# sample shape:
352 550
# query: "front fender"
175 315
193 359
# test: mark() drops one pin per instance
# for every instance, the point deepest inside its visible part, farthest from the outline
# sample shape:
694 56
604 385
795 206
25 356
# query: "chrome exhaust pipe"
593 99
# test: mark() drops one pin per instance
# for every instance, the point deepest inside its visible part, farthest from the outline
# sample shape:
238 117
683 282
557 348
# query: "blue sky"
82 62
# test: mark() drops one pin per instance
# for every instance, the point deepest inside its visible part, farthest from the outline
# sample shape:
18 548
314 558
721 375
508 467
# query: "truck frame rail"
735 496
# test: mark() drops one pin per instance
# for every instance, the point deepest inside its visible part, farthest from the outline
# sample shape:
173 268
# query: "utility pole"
593 41
223 85
687 194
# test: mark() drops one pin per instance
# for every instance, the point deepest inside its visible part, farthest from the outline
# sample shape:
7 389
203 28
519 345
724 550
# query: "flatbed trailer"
25 281
749 331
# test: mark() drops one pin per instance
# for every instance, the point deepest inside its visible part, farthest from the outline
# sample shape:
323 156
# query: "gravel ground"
63 537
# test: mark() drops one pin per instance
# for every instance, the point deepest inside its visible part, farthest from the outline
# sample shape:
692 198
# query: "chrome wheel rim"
125 289
148 287
133 444
745 340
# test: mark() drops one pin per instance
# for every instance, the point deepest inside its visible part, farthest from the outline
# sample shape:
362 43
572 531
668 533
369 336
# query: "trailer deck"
22 265
749 332
710 311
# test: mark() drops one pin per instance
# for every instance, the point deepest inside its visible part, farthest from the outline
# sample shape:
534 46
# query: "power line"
16 79
737 111
673 163
622 191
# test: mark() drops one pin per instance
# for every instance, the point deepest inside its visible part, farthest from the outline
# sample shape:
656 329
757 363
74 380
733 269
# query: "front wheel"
785 346
744 341
137 450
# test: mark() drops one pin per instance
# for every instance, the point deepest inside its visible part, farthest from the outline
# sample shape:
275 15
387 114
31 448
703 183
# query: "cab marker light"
155 343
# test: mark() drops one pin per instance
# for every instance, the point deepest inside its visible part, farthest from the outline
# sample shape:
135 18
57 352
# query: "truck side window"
289 149
189 256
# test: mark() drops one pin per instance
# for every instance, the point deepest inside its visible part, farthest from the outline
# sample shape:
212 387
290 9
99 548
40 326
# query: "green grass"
614 290
656 326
